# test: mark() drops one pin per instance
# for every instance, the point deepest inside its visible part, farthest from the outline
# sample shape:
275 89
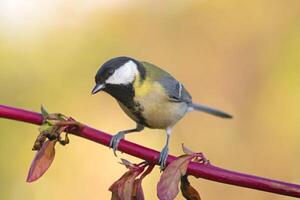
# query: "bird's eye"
111 71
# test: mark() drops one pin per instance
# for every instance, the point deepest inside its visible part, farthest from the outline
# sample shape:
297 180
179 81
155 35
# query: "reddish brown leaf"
126 190
187 190
137 192
114 188
123 188
114 194
199 157
167 188
41 161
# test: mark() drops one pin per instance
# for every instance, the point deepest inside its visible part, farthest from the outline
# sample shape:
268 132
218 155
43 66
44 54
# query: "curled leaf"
114 188
41 161
187 150
137 192
45 114
129 187
51 130
123 187
127 163
126 190
167 188
187 190
199 157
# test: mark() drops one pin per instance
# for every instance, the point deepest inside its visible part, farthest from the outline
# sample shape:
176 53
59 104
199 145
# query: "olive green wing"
174 89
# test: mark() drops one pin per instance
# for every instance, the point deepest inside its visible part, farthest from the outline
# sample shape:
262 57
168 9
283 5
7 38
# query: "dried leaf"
187 150
114 188
128 187
126 190
45 114
199 157
167 188
41 161
38 143
123 188
115 195
127 163
137 192
187 190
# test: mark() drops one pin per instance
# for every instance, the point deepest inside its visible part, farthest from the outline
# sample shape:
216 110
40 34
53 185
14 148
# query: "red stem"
209 172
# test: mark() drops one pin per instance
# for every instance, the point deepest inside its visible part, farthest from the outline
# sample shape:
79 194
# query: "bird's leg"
115 140
165 151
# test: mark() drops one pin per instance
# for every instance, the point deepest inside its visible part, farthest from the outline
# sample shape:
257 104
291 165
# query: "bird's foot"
163 157
115 140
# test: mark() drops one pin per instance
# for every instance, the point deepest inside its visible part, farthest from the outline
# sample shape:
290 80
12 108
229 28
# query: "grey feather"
175 90
209 110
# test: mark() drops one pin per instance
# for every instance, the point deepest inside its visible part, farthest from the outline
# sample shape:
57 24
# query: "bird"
149 95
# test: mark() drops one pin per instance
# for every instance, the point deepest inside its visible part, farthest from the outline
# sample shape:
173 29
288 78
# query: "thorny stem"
205 171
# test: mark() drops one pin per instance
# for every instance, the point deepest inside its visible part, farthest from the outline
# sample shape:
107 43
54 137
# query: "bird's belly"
164 115
152 107
160 112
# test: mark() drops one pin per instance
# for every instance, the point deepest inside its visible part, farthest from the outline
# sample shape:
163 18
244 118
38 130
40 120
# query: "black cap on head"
125 76
109 67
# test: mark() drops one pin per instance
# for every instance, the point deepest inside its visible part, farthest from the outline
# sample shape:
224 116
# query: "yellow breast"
158 110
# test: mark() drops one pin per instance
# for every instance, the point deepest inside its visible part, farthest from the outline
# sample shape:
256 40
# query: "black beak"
98 88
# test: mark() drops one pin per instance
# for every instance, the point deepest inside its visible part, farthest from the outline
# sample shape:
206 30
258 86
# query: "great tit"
148 95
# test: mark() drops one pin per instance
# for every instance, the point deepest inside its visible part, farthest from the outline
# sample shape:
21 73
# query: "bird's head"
117 73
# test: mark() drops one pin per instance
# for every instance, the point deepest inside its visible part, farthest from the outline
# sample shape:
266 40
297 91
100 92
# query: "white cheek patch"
124 75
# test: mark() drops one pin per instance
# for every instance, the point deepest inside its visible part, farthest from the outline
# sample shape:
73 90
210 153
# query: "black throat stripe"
125 94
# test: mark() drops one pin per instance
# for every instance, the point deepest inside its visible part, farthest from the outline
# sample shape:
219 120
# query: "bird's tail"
209 110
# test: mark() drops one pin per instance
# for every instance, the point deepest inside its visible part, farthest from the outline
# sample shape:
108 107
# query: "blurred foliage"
239 56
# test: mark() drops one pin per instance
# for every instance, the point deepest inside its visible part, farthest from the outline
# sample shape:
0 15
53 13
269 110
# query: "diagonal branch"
209 172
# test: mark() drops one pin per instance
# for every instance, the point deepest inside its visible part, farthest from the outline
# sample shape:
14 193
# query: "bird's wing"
175 90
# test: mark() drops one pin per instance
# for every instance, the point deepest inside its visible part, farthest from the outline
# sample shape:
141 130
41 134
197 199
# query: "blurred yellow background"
239 56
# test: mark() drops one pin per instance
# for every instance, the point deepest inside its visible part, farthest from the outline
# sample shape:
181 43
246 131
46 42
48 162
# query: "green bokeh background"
239 56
